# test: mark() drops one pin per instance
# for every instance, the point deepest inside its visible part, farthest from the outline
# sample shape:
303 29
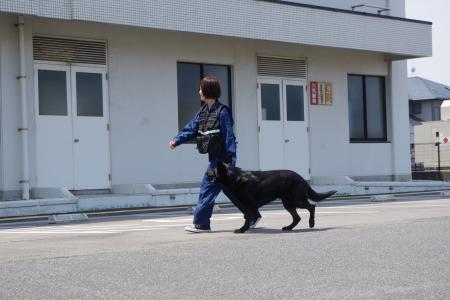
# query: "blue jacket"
190 131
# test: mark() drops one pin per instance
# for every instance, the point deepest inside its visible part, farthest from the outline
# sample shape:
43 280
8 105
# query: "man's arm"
226 126
189 132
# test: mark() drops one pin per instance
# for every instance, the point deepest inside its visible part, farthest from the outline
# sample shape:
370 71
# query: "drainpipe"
23 95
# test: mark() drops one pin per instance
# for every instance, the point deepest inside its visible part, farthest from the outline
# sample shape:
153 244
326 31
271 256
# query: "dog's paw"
286 228
239 231
311 224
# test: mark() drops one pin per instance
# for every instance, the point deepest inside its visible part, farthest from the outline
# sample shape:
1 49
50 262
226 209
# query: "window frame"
202 74
435 108
366 139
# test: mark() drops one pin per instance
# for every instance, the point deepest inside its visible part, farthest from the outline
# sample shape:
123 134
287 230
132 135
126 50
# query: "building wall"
10 100
346 4
1 116
143 102
424 139
427 109
445 111
397 7
261 20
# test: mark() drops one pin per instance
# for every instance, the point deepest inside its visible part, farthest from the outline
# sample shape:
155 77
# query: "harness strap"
209 132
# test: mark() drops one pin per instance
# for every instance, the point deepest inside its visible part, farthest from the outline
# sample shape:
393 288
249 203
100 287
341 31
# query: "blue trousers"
206 198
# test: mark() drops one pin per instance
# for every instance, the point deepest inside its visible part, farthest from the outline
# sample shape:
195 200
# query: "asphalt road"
358 250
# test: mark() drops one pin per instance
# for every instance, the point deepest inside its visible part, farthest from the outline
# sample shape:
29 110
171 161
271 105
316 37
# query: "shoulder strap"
203 107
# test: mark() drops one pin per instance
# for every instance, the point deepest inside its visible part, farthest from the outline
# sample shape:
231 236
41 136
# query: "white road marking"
60 232
218 218
172 222
323 212
398 205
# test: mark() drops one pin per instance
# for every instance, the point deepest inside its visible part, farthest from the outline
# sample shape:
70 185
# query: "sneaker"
195 228
253 224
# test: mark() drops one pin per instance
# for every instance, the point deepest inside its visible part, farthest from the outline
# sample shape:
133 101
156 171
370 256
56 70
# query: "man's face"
201 95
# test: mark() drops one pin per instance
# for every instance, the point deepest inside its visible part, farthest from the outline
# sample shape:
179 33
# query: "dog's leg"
312 213
250 217
243 207
295 217
244 227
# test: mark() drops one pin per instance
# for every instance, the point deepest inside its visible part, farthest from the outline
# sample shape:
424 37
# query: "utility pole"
438 145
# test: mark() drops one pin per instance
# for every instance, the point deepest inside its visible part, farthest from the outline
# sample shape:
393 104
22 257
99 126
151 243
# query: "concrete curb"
382 198
51 193
38 207
187 197
66 218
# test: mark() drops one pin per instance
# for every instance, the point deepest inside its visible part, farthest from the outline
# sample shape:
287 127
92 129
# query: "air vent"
281 67
69 50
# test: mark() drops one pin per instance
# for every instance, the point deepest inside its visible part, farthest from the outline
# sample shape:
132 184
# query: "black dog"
254 189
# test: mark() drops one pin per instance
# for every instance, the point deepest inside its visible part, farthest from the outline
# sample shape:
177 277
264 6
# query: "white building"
427 102
91 92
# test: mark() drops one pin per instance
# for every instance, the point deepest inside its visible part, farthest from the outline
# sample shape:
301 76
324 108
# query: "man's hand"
172 145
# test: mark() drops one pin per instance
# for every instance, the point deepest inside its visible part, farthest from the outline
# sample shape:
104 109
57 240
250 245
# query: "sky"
437 67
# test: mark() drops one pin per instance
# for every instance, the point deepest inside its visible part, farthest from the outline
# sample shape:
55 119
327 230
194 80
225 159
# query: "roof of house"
420 89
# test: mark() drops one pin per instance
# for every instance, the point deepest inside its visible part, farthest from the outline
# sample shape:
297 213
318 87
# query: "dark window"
270 101
436 113
188 80
89 94
52 87
416 108
367 108
295 103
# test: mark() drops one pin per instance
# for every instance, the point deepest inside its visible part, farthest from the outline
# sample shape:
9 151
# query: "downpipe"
23 130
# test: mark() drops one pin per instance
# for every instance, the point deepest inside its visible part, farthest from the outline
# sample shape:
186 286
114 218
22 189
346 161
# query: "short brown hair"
210 87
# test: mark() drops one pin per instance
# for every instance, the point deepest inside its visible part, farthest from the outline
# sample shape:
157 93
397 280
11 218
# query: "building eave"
270 20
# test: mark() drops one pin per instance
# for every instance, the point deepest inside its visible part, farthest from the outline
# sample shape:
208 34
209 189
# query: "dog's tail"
315 197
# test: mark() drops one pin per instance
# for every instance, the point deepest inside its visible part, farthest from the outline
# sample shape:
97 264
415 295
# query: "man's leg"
206 198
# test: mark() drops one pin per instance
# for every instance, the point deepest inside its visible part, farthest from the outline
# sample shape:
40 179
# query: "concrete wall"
445 110
10 109
346 4
397 7
143 101
1 118
424 139
261 20
425 133
331 152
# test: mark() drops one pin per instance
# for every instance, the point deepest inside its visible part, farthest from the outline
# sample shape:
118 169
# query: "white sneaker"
195 228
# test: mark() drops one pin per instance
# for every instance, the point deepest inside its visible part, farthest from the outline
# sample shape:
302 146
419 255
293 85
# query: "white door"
90 128
296 150
283 125
54 164
271 135
72 127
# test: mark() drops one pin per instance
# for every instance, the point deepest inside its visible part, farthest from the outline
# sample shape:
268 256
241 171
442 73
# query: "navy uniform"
213 128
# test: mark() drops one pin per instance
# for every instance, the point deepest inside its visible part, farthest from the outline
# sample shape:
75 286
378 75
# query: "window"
52 87
416 108
270 102
436 113
89 94
367 108
188 80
